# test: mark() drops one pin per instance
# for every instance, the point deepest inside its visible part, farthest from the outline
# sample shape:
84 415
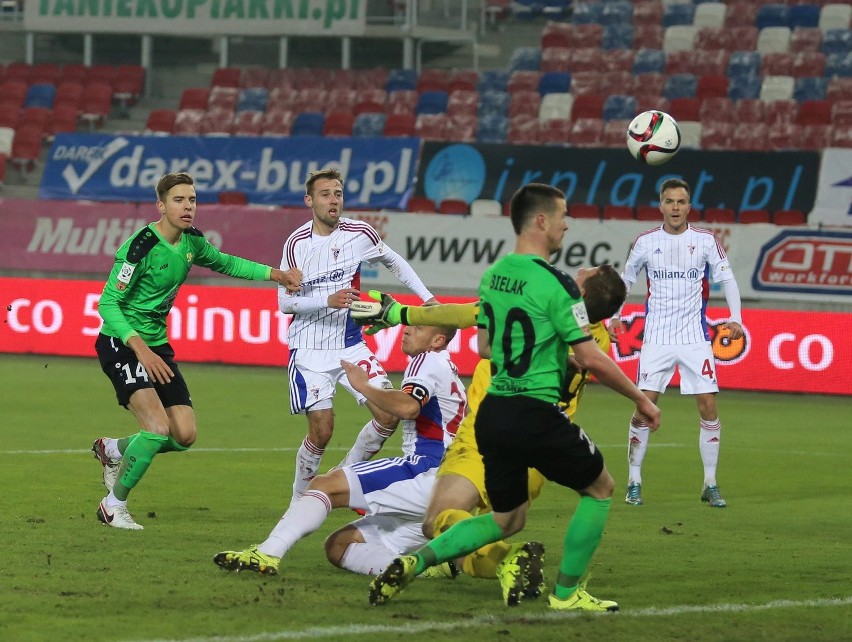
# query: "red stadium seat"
750 137
453 206
648 213
584 210
710 62
683 109
748 217
161 122
814 112
402 101
618 213
719 215
815 137
789 217
750 110
44 73
807 63
370 101
248 123
524 103
277 123
463 102
587 106
717 109
619 60
26 147
399 125
523 130
463 80
223 98
839 89
806 39
194 98
421 204
524 81
556 131
776 63
679 62
781 111
432 126
338 123
63 120
712 86
585 82
650 84
587 132
716 134
217 123
615 132
254 78
188 122
226 77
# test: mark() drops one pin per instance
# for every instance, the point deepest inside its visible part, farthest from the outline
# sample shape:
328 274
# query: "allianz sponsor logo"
335 275
692 274
130 164
63 236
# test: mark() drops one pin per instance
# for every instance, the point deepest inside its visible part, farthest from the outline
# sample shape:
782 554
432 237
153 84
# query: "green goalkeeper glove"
379 316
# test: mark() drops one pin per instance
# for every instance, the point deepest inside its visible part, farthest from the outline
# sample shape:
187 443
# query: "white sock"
304 516
112 501
368 558
637 444
307 465
369 441
111 448
708 445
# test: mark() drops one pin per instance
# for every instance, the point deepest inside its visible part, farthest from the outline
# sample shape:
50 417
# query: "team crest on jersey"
314 392
189 256
691 248
125 273
335 252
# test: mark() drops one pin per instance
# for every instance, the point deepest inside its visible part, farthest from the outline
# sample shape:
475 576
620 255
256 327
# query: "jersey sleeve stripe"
290 249
363 228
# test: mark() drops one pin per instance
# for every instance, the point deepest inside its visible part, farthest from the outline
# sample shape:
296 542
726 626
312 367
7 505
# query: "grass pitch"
775 565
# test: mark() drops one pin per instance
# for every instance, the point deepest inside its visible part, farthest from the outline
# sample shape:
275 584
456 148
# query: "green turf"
774 565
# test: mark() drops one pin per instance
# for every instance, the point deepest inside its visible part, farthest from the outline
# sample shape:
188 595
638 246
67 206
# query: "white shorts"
694 361
314 375
397 534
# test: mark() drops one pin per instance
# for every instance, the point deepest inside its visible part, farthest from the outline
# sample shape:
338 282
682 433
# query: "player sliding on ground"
392 492
460 488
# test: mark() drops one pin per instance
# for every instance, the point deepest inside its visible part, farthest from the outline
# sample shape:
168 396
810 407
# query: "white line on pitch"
491 620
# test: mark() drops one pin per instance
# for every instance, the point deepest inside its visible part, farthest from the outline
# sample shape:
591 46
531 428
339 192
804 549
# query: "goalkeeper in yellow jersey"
459 490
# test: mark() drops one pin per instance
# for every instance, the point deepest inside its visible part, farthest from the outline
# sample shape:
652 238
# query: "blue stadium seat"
405 79
40 95
837 41
616 12
369 125
554 82
493 128
803 15
744 63
618 36
838 65
649 61
493 80
253 99
771 15
432 102
678 14
810 88
525 59
680 86
308 123
587 13
744 87
619 107
493 103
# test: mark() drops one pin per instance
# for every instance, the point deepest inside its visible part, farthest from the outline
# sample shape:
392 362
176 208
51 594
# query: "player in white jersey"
329 250
678 259
392 493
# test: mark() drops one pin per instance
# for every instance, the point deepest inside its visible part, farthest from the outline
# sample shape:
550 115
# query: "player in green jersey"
530 312
133 345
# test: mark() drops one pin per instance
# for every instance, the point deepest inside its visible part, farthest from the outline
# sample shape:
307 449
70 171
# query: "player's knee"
334 549
386 421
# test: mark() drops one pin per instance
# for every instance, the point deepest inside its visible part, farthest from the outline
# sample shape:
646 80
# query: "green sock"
171 446
581 540
123 442
462 538
138 456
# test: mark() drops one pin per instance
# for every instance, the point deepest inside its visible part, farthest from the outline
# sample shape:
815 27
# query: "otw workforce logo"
805 262
269 171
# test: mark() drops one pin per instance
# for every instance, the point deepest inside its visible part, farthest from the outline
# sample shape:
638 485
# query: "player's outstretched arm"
290 279
388 312
395 402
384 313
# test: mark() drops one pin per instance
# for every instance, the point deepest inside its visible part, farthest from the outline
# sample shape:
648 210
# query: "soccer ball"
653 137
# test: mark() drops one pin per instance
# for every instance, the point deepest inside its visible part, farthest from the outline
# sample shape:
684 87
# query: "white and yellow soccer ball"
653 137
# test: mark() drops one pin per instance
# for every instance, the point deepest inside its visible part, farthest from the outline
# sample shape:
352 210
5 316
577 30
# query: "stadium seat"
433 80
716 135
7 135
432 127
839 89
309 123
678 14
805 39
128 86
618 213
248 123
463 80
841 137
586 59
63 120
96 103
73 71
777 63
464 128
743 63
723 215
525 59
709 14
223 98
462 102
587 13
254 77
102 73
40 95
555 59
14 91
772 15
421 204
789 217
612 83
679 38
616 12
369 125
648 212
807 63
715 39
194 98
777 88
744 38
744 87
690 134
838 65
645 103
399 125
232 198
841 112
773 40
814 112
679 62
252 99
493 128
39 116
814 137
44 73
781 111
493 80
226 77
338 123
525 103
585 82
617 37
648 13
485 207
750 137
614 132
523 131
803 16
188 122
712 86
708 62
494 102
26 147
341 99
680 86
19 71
619 60
401 79
587 106
553 83
432 102
555 106
650 36
402 101
748 217
721 109
835 15
685 109
648 84
810 88
836 41
370 101
619 107
453 206
584 211
556 131
219 122
784 136
524 81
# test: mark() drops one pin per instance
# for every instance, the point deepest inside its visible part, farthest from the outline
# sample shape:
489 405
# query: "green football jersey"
147 274
532 312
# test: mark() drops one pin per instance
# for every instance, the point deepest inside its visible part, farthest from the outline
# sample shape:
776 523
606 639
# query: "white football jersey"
328 264
433 380
677 267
